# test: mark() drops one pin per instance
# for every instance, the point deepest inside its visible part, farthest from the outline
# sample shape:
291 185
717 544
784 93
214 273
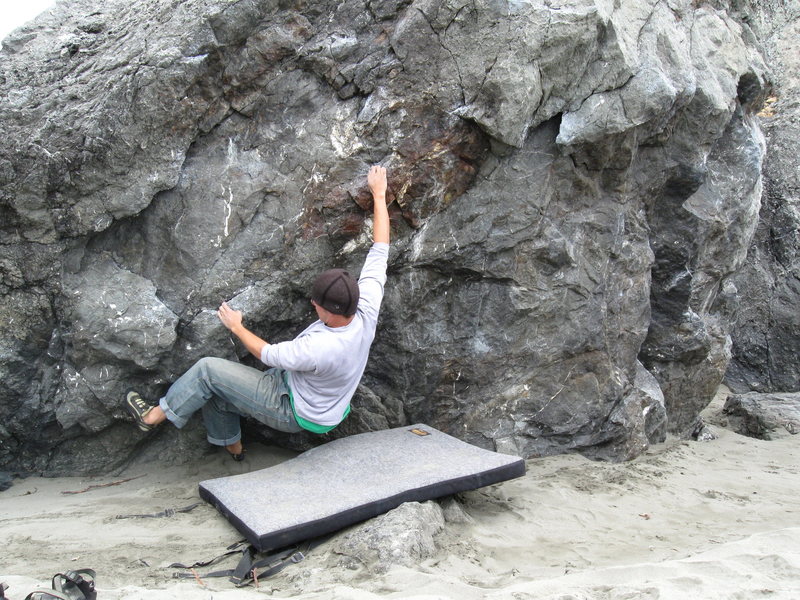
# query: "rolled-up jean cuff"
171 416
226 442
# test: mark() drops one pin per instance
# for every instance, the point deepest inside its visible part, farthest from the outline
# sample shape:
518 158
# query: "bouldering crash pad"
350 480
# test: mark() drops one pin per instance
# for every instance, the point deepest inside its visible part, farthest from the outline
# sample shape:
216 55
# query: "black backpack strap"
242 574
234 548
169 512
281 559
250 563
241 571
246 571
275 565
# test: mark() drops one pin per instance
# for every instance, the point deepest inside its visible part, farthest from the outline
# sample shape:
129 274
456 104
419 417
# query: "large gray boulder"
573 186
766 338
763 416
404 536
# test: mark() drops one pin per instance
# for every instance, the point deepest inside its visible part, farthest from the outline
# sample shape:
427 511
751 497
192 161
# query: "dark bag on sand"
71 585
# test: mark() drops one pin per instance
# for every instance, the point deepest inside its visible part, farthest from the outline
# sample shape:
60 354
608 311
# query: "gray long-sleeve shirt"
325 364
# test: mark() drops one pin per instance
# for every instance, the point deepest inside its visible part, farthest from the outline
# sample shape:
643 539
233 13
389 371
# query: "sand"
716 519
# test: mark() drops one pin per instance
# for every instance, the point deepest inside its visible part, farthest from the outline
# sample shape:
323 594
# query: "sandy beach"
716 519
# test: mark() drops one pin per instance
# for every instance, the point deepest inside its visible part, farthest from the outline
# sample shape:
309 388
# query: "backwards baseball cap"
336 290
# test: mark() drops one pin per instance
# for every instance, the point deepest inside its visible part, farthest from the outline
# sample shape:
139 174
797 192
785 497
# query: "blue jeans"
226 390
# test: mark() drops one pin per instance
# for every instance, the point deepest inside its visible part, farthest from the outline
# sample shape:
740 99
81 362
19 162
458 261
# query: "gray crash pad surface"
352 479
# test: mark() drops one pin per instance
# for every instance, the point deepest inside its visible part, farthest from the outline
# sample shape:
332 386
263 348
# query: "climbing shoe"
138 409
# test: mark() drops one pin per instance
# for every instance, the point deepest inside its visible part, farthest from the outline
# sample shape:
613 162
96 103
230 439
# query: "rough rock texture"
764 416
573 185
403 536
766 338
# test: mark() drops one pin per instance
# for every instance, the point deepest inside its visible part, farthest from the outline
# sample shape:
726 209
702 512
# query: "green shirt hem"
310 425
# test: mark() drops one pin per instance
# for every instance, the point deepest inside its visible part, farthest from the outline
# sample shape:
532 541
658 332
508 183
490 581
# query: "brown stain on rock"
435 162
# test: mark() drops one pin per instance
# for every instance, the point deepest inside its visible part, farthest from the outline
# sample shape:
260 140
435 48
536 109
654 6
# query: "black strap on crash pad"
234 548
247 568
169 512
242 574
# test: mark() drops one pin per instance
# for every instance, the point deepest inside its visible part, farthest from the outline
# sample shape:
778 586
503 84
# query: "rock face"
573 186
403 536
764 416
766 338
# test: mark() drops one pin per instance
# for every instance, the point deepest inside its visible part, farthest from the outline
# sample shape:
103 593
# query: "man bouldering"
311 378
